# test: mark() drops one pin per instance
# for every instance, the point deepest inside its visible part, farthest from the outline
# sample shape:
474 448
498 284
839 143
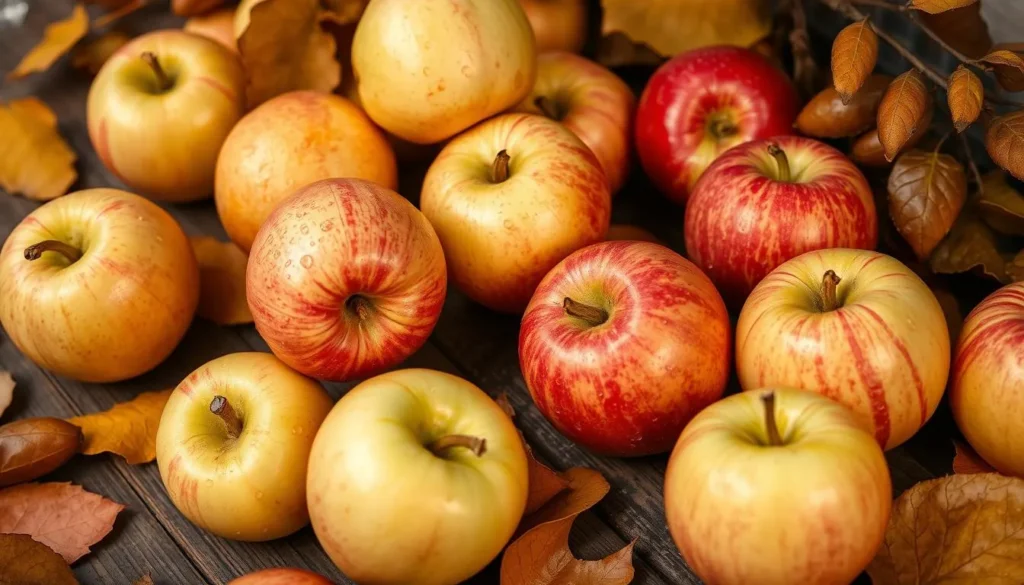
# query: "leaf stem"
971 164
70 252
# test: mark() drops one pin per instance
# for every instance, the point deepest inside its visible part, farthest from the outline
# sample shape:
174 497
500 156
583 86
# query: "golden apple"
99 285
558 25
233 443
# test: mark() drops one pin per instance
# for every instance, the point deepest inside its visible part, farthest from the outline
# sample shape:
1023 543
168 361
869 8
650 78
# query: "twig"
805 69
938 40
971 164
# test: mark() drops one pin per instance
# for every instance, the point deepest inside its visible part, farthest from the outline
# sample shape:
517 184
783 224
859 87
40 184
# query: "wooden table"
151 536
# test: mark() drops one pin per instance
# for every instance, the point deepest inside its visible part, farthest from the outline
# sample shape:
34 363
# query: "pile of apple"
626 346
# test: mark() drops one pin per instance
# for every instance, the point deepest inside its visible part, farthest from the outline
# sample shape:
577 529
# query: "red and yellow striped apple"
767 201
345 279
281 576
777 487
856 326
622 344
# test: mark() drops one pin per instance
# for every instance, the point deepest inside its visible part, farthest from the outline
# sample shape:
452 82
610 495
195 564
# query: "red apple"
622 344
346 278
767 201
703 102
281 577
856 326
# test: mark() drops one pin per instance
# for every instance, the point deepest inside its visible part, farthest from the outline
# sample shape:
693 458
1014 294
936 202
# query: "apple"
703 102
233 443
775 487
856 326
987 387
159 110
281 577
417 462
99 285
622 344
290 141
217 25
426 71
592 102
510 199
767 201
346 279
558 25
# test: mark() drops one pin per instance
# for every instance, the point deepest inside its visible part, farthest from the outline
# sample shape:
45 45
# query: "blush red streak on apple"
220 87
902 348
876 392
103 149
999 323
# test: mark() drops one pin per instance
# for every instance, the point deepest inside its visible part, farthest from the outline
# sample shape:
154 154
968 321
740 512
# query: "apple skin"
628 385
217 25
742 220
813 510
252 487
281 577
165 145
117 311
500 239
987 389
290 141
884 352
592 102
703 102
345 279
426 71
558 25
375 488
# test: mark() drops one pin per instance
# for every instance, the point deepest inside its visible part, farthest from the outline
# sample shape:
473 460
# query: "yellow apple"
233 443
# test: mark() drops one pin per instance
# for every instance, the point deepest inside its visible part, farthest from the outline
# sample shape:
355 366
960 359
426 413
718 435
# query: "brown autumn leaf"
937 6
967 461
91 55
1015 268
951 310
144 580
965 96
970 245
1002 206
24 561
34 159
1008 68
6 390
1004 142
221 281
964 29
617 50
828 116
955 529
128 429
621 231
62 516
194 7
902 112
927 190
585 488
854 53
58 38
32 447
218 25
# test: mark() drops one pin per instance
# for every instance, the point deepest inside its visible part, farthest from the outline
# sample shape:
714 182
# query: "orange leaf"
1008 67
937 6
62 516
6 390
964 29
586 488
965 96
1004 141
854 53
630 232
58 38
24 561
902 112
91 55
194 7
128 429
967 461
218 25
221 281
927 190
34 159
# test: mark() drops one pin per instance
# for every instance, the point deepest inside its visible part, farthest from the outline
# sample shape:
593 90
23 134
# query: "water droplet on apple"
508 224
306 261
296 430
304 229
466 70
426 71
288 263
326 226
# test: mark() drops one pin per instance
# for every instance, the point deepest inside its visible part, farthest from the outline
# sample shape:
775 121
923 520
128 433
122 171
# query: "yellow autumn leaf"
34 159
58 38
221 281
128 429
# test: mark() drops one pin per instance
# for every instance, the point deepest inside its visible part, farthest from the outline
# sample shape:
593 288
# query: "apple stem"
781 161
34 252
222 408
360 306
769 419
592 315
829 282
548 107
499 170
477 445
162 80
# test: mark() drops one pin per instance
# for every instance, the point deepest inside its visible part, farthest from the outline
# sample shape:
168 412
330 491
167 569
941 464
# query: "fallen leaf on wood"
144 580
34 159
62 516
1001 205
194 7
964 29
927 190
544 483
965 96
1008 68
24 561
937 6
955 529
90 56
1015 268
1004 142
218 25
32 447
902 112
827 116
128 429
586 488
6 390
58 38
967 461
854 53
627 232
221 281
971 244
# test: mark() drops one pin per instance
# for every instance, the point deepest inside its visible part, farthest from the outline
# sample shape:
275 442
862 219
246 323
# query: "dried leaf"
218 25
964 29
970 244
670 27
6 390
34 158
1015 268
937 6
1008 67
32 447
967 461
62 516
586 488
1004 141
927 190
1001 205
966 95
90 56
627 232
617 50
854 53
221 281
144 580
24 561
123 10
128 429
902 112
827 116
194 7
58 38
955 529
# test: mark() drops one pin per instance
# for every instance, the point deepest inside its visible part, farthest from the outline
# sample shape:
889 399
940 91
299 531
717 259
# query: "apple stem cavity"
548 106
162 81
594 316
722 127
774 439
781 161
477 445
359 306
829 282
70 252
222 408
499 170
